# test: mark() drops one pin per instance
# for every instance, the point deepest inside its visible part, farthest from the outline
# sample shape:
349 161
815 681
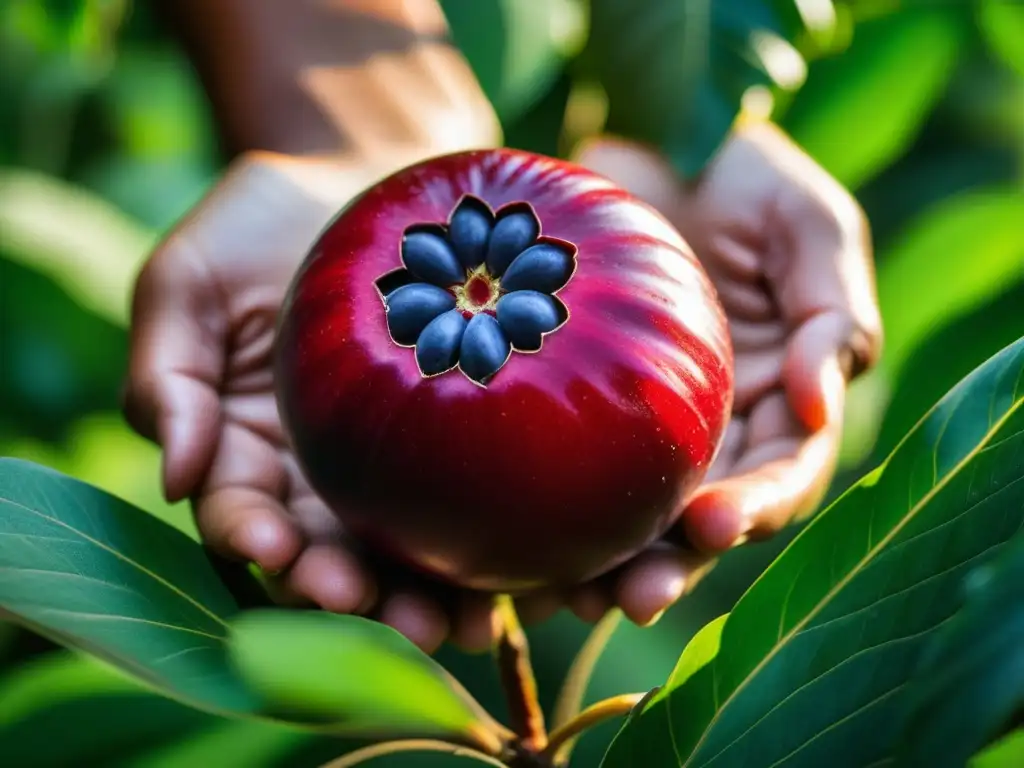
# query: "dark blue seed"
469 231
484 348
411 307
437 349
544 268
512 235
525 316
428 256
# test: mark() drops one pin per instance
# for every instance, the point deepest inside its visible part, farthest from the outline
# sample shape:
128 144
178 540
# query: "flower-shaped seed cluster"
476 289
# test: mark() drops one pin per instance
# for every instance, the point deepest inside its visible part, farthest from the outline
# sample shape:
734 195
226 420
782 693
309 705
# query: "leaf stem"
411 745
517 679
570 698
563 737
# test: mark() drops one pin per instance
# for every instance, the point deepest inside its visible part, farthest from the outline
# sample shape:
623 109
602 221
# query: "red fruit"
422 411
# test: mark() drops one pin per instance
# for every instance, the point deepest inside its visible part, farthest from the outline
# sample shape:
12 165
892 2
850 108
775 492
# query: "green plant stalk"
570 698
410 745
517 679
562 739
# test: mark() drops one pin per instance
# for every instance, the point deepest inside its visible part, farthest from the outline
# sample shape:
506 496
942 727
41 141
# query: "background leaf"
970 685
852 115
357 675
93 572
815 658
516 49
1002 22
675 72
979 227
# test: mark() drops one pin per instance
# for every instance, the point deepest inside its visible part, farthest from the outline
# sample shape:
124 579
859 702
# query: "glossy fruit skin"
572 458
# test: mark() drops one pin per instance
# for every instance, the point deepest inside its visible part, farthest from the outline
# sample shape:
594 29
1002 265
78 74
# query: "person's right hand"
200 384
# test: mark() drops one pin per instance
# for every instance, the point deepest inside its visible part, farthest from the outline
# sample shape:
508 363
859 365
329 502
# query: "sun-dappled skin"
572 458
207 301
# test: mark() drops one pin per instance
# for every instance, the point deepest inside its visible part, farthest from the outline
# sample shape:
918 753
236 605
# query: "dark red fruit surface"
514 467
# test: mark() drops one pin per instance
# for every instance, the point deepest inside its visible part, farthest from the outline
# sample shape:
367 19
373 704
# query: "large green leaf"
815 658
93 572
358 675
516 49
860 110
675 72
947 355
970 685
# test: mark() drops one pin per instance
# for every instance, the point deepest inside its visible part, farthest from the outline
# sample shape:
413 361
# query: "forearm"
339 77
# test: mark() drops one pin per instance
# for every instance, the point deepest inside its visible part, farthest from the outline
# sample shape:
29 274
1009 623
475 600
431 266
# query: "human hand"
200 384
788 250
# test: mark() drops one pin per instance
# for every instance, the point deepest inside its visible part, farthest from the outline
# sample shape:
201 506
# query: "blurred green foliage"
106 140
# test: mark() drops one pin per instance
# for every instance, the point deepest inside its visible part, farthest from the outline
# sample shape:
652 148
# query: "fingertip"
535 607
473 627
333 579
713 522
650 586
417 617
812 373
266 539
589 603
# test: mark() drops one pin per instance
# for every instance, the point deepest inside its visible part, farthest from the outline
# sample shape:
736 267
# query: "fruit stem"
411 745
563 737
517 679
570 698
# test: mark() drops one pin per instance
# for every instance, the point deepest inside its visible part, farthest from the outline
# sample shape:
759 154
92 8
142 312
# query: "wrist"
349 77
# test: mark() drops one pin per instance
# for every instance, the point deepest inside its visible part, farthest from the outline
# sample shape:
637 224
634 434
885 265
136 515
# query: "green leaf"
860 110
516 49
227 744
1002 23
91 571
815 658
970 684
980 228
358 676
92 232
948 354
99 713
675 72
1008 752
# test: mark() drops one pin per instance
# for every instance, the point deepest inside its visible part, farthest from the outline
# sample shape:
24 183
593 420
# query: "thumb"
175 365
816 369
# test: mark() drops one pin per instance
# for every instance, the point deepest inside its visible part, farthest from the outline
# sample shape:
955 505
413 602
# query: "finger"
752 337
472 622
334 579
653 581
535 607
590 601
756 373
239 510
776 482
249 524
828 264
636 169
812 372
729 452
418 617
175 364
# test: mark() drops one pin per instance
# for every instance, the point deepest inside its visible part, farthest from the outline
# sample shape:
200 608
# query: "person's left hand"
788 250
